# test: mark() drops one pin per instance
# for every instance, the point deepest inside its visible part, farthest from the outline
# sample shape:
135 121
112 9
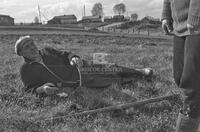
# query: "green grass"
22 112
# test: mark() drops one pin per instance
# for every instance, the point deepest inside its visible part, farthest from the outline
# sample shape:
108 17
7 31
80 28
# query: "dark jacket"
34 75
181 13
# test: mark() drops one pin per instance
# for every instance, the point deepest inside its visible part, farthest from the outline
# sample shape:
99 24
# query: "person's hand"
148 72
76 61
192 29
47 88
167 27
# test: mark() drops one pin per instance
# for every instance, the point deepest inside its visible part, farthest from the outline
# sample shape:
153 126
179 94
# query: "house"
108 19
87 19
127 18
6 20
118 18
151 20
64 19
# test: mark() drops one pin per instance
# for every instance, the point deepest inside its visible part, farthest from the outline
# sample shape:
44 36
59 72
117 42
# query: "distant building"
87 19
6 20
127 18
108 19
119 18
64 19
116 18
151 20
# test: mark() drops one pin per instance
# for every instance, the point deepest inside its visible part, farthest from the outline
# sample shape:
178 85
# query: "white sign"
100 58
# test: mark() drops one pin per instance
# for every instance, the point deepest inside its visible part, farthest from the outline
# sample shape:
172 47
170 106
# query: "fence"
154 32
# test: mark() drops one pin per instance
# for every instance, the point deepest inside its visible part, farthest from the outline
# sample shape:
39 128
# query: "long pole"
84 10
117 107
39 14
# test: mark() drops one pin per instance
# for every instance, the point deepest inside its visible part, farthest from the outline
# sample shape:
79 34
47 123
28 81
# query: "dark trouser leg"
178 60
104 75
187 77
190 80
131 72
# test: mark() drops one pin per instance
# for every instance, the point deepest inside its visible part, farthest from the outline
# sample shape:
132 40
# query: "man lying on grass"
49 71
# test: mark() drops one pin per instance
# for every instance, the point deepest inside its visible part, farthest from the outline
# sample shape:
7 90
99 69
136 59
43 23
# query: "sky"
27 10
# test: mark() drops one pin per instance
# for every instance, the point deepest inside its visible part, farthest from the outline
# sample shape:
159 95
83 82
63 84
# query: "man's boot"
186 124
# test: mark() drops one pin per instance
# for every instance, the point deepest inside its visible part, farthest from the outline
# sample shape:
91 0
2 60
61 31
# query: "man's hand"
76 61
48 89
167 27
192 29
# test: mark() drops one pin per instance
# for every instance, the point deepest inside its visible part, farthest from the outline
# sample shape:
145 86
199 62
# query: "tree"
134 17
119 9
97 10
36 20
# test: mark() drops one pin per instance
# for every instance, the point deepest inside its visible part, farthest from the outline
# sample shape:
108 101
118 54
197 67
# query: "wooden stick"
117 107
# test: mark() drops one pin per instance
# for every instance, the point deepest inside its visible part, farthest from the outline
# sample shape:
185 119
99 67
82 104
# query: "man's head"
25 47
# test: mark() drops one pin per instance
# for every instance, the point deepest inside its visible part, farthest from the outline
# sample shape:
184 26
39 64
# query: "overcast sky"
26 10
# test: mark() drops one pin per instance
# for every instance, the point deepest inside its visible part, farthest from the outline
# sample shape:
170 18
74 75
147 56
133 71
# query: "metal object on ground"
80 77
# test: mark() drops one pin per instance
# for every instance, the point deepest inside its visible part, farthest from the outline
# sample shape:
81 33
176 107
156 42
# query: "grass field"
21 112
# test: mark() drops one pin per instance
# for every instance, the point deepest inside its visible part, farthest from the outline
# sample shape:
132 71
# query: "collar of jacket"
29 61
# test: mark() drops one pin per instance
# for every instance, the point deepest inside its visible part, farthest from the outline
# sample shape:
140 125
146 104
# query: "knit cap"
20 42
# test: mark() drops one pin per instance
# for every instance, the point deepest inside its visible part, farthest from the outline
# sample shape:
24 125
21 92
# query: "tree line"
119 9
97 10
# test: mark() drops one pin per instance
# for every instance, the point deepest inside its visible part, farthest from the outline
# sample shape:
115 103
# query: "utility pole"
84 10
82 13
40 20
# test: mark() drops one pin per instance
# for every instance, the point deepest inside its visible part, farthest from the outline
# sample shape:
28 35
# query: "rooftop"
66 17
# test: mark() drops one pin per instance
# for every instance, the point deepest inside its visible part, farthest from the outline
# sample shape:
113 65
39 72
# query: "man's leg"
188 119
178 58
104 75
190 80
132 72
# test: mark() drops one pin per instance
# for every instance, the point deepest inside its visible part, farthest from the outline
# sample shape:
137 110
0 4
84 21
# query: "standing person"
183 18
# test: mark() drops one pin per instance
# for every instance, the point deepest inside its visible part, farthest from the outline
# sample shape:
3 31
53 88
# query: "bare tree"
97 10
36 20
119 9
134 17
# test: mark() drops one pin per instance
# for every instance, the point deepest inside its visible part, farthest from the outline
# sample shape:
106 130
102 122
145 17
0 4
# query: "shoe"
186 124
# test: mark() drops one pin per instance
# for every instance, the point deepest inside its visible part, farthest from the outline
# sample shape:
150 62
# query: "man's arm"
33 84
66 56
194 13
167 17
166 12
30 79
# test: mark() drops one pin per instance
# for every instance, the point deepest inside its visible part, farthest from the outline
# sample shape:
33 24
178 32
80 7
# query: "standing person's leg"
178 58
190 82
